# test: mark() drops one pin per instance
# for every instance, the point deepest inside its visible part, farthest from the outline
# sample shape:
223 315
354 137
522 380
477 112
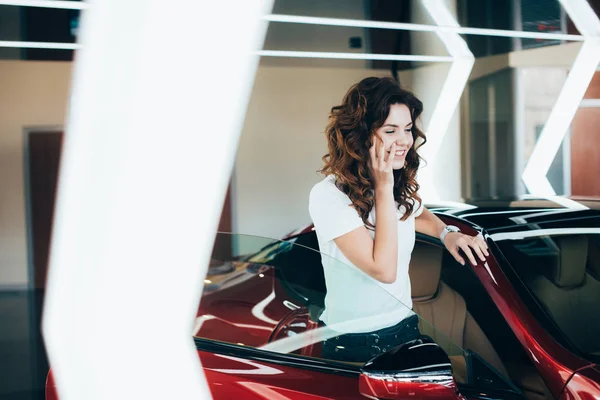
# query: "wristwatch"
448 229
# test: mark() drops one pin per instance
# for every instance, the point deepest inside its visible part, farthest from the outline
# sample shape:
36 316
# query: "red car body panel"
584 385
237 378
237 319
51 387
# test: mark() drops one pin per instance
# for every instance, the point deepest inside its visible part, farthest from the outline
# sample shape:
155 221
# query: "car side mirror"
416 369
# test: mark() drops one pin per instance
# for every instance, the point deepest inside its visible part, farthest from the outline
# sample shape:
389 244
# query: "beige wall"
31 94
280 148
282 144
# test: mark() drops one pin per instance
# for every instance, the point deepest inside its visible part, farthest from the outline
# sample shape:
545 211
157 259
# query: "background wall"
31 94
303 37
280 150
282 144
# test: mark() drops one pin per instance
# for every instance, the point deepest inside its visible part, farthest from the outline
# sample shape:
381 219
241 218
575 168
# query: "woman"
366 212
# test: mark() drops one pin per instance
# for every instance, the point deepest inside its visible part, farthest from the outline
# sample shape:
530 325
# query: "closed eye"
390 132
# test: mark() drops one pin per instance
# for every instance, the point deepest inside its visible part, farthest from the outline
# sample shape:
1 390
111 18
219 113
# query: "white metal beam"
262 53
445 28
353 56
497 237
152 132
70 5
39 45
454 85
590 103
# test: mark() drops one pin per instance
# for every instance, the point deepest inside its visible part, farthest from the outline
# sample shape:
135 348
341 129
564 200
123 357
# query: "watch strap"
447 230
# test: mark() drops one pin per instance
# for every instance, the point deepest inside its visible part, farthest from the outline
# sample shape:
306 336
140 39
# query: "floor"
23 362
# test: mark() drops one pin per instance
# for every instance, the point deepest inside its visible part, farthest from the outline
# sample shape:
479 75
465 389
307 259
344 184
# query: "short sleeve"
331 211
420 209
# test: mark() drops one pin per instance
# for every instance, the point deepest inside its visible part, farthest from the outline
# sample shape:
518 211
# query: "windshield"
272 295
561 270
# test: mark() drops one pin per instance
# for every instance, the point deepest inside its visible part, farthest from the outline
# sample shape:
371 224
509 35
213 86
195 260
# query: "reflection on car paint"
487 267
258 369
259 309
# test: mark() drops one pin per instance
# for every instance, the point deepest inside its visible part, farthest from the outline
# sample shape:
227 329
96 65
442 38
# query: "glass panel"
540 16
544 16
38 24
341 39
272 295
540 88
508 110
562 272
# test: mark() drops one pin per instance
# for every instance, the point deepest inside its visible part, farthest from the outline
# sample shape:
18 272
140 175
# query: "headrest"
593 260
567 269
425 268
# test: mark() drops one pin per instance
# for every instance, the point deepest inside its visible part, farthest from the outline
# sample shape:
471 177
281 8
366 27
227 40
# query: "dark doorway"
41 164
43 149
223 247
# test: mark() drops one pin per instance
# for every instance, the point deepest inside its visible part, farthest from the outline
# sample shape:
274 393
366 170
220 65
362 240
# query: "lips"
400 153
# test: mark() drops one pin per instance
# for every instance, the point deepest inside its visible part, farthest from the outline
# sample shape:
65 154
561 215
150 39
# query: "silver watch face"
452 228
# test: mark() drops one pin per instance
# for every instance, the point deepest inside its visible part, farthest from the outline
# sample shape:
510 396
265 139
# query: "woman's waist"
382 335
361 320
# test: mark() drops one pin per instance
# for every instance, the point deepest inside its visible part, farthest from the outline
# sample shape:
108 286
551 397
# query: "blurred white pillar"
158 101
440 179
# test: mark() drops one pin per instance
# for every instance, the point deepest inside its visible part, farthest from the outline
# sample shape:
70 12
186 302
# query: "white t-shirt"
351 293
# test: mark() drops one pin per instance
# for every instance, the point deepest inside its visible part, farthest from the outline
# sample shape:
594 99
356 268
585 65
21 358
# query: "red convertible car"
523 324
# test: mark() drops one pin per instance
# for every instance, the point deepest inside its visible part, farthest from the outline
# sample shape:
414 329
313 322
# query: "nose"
402 140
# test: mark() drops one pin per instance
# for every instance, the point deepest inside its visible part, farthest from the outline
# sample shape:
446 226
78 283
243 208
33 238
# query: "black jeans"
361 347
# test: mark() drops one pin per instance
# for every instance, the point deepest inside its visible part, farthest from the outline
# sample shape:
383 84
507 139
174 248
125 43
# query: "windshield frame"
294 360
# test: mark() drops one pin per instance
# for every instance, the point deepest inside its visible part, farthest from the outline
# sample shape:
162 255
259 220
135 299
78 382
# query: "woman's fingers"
477 250
373 154
480 241
381 168
470 246
382 153
457 256
390 160
467 250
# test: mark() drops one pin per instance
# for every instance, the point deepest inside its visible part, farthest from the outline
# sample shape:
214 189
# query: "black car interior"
302 272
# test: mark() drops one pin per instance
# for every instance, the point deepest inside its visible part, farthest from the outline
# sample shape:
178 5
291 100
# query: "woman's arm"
429 224
377 257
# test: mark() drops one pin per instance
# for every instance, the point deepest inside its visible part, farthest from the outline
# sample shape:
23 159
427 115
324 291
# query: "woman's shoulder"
416 210
327 189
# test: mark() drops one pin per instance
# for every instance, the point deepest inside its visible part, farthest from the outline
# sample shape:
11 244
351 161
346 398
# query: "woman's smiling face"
397 128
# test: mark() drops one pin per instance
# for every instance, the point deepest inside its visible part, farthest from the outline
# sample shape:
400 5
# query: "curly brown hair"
350 134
